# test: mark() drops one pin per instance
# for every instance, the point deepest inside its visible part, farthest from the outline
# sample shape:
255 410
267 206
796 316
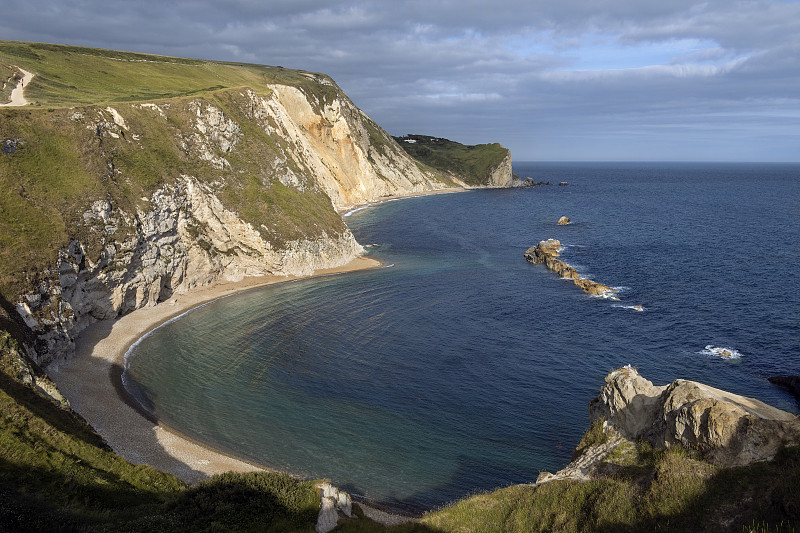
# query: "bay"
459 367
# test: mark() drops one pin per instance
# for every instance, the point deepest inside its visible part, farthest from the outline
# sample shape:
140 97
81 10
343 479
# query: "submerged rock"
727 429
790 383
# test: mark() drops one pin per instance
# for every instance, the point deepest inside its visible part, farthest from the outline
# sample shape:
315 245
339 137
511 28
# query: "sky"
565 80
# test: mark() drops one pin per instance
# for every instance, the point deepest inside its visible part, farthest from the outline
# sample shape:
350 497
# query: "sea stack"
563 221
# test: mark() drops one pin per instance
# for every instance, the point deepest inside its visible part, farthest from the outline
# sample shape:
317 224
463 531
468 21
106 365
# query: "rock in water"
547 251
563 221
727 429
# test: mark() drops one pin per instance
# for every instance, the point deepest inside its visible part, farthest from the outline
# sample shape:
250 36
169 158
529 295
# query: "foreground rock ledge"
727 429
547 251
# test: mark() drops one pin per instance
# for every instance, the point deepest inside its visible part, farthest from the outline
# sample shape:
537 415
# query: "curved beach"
90 381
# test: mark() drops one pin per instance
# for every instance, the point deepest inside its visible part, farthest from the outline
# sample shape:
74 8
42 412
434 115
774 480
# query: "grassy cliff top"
56 161
471 163
67 76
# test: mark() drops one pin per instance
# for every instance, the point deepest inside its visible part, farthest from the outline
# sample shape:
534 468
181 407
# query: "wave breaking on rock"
547 252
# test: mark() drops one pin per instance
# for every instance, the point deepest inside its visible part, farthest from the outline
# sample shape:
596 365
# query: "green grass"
472 164
8 81
63 166
67 76
57 474
660 491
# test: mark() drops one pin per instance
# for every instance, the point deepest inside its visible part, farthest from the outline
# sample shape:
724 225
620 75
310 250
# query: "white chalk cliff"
135 252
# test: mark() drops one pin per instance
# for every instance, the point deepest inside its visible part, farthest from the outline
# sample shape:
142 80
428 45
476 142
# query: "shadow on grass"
231 502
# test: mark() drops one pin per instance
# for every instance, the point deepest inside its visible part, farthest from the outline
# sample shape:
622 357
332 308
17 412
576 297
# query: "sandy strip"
17 94
347 209
90 381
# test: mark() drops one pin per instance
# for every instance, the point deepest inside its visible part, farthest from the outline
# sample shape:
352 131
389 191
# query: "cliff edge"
117 198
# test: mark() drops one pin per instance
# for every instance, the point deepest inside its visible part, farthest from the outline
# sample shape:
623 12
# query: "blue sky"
575 80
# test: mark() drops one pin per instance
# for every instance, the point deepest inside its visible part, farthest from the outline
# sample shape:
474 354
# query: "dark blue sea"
460 367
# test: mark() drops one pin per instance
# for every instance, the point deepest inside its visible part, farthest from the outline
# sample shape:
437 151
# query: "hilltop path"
17 95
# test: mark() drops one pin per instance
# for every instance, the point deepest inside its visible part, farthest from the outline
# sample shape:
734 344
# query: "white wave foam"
373 204
606 296
722 352
356 210
638 308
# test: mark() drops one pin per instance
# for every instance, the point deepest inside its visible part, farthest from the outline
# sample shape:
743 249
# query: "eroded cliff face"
256 179
502 175
185 240
354 160
726 428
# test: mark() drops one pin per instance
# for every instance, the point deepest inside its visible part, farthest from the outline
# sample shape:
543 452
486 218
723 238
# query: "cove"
461 367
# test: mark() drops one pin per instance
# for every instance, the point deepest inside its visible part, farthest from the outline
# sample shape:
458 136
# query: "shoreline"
92 383
349 209
92 380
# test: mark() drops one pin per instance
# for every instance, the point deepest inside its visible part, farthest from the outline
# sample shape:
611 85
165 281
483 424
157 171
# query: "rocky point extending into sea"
547 252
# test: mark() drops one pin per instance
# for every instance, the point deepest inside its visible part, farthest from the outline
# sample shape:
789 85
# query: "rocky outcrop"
585 466
548 251
185 233
334 504
727 429
527 182
563 221
185 239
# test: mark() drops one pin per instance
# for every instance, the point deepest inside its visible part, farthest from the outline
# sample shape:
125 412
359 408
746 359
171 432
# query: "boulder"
727 429
563 221
334 504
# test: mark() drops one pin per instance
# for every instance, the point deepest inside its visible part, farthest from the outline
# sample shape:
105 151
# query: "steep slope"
481 165
238 170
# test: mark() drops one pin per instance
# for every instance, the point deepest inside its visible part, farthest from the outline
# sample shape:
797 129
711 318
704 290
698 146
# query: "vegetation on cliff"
473 164
56 473
64 158
71 149
75 76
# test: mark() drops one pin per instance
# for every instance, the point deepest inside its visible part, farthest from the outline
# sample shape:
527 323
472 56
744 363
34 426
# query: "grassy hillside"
642 490
57 474
68 76
473 164
62 158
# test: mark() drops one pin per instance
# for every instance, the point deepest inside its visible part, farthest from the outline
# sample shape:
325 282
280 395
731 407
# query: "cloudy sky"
714 80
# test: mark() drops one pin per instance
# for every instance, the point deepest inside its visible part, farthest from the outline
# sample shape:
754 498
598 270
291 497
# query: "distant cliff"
112 206
480 165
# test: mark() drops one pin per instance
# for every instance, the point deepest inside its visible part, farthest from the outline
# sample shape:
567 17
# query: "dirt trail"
17 95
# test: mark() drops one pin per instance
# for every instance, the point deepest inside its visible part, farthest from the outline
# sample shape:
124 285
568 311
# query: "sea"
458 367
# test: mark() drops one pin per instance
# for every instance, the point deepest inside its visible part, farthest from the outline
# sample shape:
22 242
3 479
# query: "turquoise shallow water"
461 367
